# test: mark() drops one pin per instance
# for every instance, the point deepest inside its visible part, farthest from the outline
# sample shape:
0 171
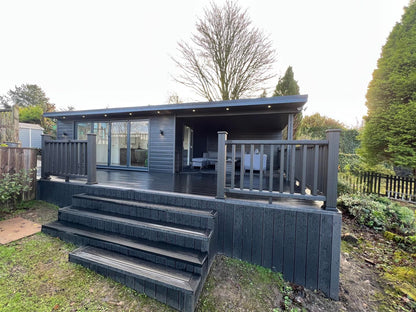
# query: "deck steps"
167 213
169 255
170 286
164 251
147 229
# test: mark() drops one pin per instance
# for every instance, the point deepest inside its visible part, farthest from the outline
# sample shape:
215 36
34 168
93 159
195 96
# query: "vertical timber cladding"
302 243
162 144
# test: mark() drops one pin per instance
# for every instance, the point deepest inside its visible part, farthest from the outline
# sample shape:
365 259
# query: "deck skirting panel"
302 243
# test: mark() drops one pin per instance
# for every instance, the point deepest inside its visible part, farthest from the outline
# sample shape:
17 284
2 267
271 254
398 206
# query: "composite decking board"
238 232
166 208
228 231
174 252
278 239
257 231
150 271
147 224
300 248
267 250
312 252
289 245
247 230
335 261
325 252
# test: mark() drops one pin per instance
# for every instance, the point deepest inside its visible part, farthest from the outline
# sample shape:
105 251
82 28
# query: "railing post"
333 136
44 159
91 159
221 164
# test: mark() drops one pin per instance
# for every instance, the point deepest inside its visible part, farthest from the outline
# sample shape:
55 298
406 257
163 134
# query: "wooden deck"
196 183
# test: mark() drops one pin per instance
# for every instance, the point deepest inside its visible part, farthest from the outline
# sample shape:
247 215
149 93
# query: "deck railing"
293 169
69 158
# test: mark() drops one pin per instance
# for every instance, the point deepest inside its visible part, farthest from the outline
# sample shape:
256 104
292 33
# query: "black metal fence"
402 188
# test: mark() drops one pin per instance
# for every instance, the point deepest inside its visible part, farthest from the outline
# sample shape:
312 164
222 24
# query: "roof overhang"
273 105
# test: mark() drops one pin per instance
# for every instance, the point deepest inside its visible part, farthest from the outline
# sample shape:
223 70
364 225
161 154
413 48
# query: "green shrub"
12 187
379 213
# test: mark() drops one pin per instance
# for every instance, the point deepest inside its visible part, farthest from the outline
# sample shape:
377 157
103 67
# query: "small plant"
12 187
379 213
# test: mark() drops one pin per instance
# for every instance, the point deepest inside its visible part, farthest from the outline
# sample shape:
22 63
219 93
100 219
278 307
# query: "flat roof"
279 104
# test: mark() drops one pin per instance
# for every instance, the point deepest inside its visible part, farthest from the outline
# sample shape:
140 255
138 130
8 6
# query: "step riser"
181 218
135 231
169 262
172 297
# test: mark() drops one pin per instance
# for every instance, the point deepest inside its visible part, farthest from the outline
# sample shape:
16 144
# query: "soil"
363 282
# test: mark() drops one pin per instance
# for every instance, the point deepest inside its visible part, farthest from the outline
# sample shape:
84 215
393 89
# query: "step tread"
189 211
157 273
150 224
187 255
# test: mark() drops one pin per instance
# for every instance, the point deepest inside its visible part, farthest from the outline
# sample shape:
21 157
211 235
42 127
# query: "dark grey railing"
69 158
294 169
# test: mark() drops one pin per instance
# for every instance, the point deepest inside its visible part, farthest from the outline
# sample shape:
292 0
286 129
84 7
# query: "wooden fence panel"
16 159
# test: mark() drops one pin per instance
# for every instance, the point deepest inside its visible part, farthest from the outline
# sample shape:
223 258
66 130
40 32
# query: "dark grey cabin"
170 186
165 138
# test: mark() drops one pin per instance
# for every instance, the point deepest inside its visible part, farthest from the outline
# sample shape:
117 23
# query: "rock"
349 238
298 300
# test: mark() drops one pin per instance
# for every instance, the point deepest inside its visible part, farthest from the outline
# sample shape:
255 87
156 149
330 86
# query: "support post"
91 159
221 164
44 159
333 136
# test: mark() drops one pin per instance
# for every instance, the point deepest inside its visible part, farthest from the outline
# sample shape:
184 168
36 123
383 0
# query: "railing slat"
271 168
292 170
261 167
251 166
315 170
282 167
233 152
303 181
242 170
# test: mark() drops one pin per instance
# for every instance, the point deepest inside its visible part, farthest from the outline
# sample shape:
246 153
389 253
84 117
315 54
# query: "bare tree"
227 58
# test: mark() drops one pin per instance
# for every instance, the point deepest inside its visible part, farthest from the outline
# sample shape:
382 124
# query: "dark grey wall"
162 147
302 243
66 126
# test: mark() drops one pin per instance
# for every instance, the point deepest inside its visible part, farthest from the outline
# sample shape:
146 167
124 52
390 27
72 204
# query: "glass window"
83 128
119 143
139 140
101 130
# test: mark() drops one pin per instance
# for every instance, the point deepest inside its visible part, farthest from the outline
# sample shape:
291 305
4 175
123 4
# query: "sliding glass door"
139 139
118 143
101 129
113 140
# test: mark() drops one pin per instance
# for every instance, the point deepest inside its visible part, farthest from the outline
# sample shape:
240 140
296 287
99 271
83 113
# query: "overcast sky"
96 54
